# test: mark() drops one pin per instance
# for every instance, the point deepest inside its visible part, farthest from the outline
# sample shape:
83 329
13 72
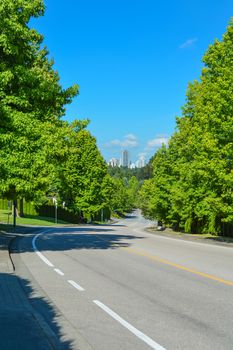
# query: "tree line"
187 185
192 184
41 155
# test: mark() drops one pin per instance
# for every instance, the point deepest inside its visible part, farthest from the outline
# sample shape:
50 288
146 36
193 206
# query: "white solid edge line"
76 285
59 272
202 244
42 257
132 329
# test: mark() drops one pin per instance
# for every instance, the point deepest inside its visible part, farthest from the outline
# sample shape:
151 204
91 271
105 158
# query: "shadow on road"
84 241
21 326
63 239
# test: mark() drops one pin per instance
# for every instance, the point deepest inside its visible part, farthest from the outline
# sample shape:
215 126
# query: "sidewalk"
20 327
5 262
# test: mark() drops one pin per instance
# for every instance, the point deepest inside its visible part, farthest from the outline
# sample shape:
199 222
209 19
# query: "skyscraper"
125 158
141 162
113 162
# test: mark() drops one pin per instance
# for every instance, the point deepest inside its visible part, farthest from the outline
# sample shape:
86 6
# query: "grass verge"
6 219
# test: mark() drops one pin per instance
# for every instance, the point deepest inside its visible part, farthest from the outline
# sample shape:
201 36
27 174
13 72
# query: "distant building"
132 166
125 159
114 162
141 162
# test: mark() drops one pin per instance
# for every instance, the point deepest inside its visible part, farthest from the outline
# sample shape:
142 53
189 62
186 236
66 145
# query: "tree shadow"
64 239
28 321
84 241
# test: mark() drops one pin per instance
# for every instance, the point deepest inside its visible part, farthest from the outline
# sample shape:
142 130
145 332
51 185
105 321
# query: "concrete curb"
5 242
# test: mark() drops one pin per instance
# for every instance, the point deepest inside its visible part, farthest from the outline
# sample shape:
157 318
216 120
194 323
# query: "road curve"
118 287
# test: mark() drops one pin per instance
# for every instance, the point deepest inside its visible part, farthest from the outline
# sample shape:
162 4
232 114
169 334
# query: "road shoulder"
207 239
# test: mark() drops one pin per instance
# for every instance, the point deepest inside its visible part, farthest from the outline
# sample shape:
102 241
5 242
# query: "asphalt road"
117 287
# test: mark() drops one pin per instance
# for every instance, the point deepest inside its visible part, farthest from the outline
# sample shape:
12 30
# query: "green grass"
7 218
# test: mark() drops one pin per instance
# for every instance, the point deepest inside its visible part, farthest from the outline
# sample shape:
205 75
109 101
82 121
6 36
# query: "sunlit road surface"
117 287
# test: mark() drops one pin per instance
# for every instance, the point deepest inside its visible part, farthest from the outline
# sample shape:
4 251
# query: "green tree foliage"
84 182
124 194
40 154
132 190
154 196
31 103
119 199
192 180
124 172
126 184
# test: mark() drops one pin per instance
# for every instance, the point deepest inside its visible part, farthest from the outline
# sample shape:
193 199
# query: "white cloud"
188 43
131 137
129 141
158 141
142 155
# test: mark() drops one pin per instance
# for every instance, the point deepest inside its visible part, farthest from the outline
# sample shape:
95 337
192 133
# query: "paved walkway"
20 326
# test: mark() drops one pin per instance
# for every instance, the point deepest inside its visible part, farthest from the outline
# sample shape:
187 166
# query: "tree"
31 103
154 195
208 118
132 190
85 184
119 200
192 185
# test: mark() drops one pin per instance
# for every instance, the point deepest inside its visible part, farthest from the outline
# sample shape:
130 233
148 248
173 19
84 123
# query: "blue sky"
132 60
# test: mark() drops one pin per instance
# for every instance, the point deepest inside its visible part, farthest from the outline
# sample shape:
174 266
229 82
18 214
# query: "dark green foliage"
4 204
126 184
64 214
28 208
140 173
124 194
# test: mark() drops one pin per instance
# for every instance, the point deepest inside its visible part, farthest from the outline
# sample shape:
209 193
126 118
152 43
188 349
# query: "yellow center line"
166 262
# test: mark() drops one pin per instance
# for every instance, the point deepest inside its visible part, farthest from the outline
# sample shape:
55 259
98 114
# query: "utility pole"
14 212
55 211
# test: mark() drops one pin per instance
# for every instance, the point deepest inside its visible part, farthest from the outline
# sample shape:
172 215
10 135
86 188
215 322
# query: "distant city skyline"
135 148
125 161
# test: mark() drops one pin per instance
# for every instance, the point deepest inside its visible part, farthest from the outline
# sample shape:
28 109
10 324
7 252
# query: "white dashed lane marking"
131 328
105 308
59 272
76 285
